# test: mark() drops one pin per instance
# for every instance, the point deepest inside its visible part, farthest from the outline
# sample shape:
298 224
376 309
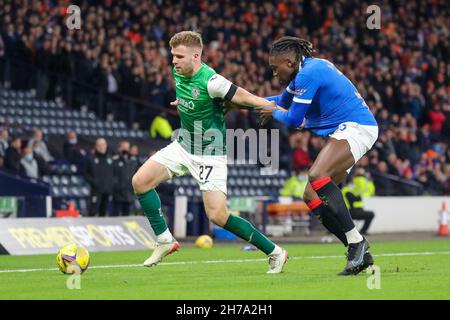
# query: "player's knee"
136 183
140 186
315 174
217 217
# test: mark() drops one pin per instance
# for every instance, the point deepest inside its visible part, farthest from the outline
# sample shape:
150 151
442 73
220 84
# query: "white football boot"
277 261
161 250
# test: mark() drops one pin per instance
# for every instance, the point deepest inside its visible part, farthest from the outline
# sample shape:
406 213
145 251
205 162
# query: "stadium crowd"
108 173
402 70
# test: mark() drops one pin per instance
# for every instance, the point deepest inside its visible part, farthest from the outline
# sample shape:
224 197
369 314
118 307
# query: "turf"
309 274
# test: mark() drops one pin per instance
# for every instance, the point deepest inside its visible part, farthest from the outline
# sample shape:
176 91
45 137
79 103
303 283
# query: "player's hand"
174 103
265 112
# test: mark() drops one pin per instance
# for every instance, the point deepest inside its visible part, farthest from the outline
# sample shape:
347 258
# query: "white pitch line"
231 261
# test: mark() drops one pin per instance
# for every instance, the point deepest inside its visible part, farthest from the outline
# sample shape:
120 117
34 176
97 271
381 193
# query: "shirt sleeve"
285 99
306 88
218 86
292 117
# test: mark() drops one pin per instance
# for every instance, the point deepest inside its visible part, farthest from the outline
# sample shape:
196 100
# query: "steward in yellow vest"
361 187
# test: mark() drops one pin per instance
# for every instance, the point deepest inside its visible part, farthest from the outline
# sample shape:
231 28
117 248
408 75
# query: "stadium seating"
23 109
68 185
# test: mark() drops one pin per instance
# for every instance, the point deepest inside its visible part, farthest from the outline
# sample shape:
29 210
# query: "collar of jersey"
301 65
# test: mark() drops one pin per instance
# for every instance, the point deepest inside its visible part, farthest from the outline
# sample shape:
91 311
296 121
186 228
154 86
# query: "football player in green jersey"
200 149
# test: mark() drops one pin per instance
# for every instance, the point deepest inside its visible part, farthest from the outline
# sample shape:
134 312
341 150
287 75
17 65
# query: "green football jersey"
201 113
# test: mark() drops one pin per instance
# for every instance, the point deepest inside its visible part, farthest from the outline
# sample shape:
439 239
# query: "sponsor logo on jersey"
299 92
195 92
186 104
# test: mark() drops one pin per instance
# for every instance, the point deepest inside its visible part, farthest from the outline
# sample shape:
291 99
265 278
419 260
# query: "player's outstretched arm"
300 95
244 98
234 96
294 117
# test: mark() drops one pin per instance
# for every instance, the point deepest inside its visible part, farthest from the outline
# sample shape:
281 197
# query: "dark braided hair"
299 47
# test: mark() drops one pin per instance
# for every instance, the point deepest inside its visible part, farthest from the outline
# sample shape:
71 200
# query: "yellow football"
71 257
204 242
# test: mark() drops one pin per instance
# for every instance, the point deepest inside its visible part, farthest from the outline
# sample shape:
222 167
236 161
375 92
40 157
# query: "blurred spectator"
295 185
416 101
134 153
160 127
109 79
424 137
157 89
315 145
13 155
385 144
446 183
2 62
125 167
446 126
44 166
100 175
437 119
430 180
392 165
73 151
45 61
28 165
383 120
406 146
39 146
300 155
134 150
361 187
384 186
3 141
374 160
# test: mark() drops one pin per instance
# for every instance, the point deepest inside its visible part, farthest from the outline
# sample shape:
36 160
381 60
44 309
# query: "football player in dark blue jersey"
322 99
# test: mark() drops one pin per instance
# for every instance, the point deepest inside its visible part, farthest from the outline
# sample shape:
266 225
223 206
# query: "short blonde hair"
186 38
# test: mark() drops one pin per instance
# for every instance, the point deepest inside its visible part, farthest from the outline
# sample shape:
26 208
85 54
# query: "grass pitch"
409 270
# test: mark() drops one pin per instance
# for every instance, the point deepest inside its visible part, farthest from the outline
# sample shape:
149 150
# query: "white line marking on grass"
230 261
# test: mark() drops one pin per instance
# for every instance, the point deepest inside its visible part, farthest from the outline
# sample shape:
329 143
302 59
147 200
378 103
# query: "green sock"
151 204
245 230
